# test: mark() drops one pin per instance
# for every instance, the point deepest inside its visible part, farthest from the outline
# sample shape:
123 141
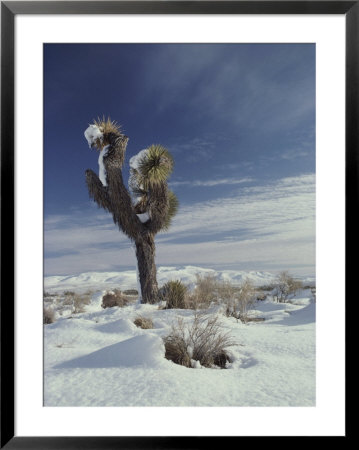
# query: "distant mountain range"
127 279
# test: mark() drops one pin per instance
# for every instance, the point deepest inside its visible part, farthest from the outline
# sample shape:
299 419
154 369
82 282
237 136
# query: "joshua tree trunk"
156 207
145 253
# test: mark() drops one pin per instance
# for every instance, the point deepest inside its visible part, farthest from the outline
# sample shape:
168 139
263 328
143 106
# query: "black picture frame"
9 9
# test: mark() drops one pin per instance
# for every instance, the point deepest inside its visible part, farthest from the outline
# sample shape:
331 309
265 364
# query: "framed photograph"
176 183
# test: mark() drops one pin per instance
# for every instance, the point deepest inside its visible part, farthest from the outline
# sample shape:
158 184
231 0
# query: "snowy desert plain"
99 357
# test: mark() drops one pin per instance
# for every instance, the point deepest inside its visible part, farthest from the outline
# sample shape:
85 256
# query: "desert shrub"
285 287
69 293
246 319
131 292
239 299
266 287
143 322
192 301
68 300
246 298
201 341
205 292
79 303
227 290
48 316
174 293
89 292
114 298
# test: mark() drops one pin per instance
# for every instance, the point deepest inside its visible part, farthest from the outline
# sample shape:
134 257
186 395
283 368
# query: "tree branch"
121 206
116 153
97 190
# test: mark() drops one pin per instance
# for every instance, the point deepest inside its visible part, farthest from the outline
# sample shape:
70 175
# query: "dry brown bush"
285 287
68 301
79 303
89 292
205 292
114 298
131 292
201 341
69 293
49 316
143 322
239 299
266 287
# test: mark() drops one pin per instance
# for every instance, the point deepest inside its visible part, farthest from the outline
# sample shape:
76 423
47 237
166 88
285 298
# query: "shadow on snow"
143 350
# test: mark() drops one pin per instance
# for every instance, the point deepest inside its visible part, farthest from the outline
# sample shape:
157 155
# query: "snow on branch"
92 133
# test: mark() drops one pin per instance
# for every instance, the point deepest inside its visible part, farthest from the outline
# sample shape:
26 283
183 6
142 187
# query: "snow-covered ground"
100 358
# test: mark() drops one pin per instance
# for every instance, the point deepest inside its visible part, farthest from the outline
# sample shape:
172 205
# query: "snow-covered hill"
127 279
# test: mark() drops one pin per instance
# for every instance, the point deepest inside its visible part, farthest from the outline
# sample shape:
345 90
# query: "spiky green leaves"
174 292
172 210
149 170
155 166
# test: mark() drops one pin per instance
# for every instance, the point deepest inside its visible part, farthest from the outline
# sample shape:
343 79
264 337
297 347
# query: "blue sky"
239 120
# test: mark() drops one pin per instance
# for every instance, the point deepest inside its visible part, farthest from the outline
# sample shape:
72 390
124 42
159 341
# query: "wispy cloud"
233 89
235 166
259 227
294 154
194 150
211 183
79 232
259 254
90 259
260 209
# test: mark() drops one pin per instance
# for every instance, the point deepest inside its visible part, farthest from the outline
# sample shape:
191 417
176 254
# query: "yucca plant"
143 211
154 167
174 293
